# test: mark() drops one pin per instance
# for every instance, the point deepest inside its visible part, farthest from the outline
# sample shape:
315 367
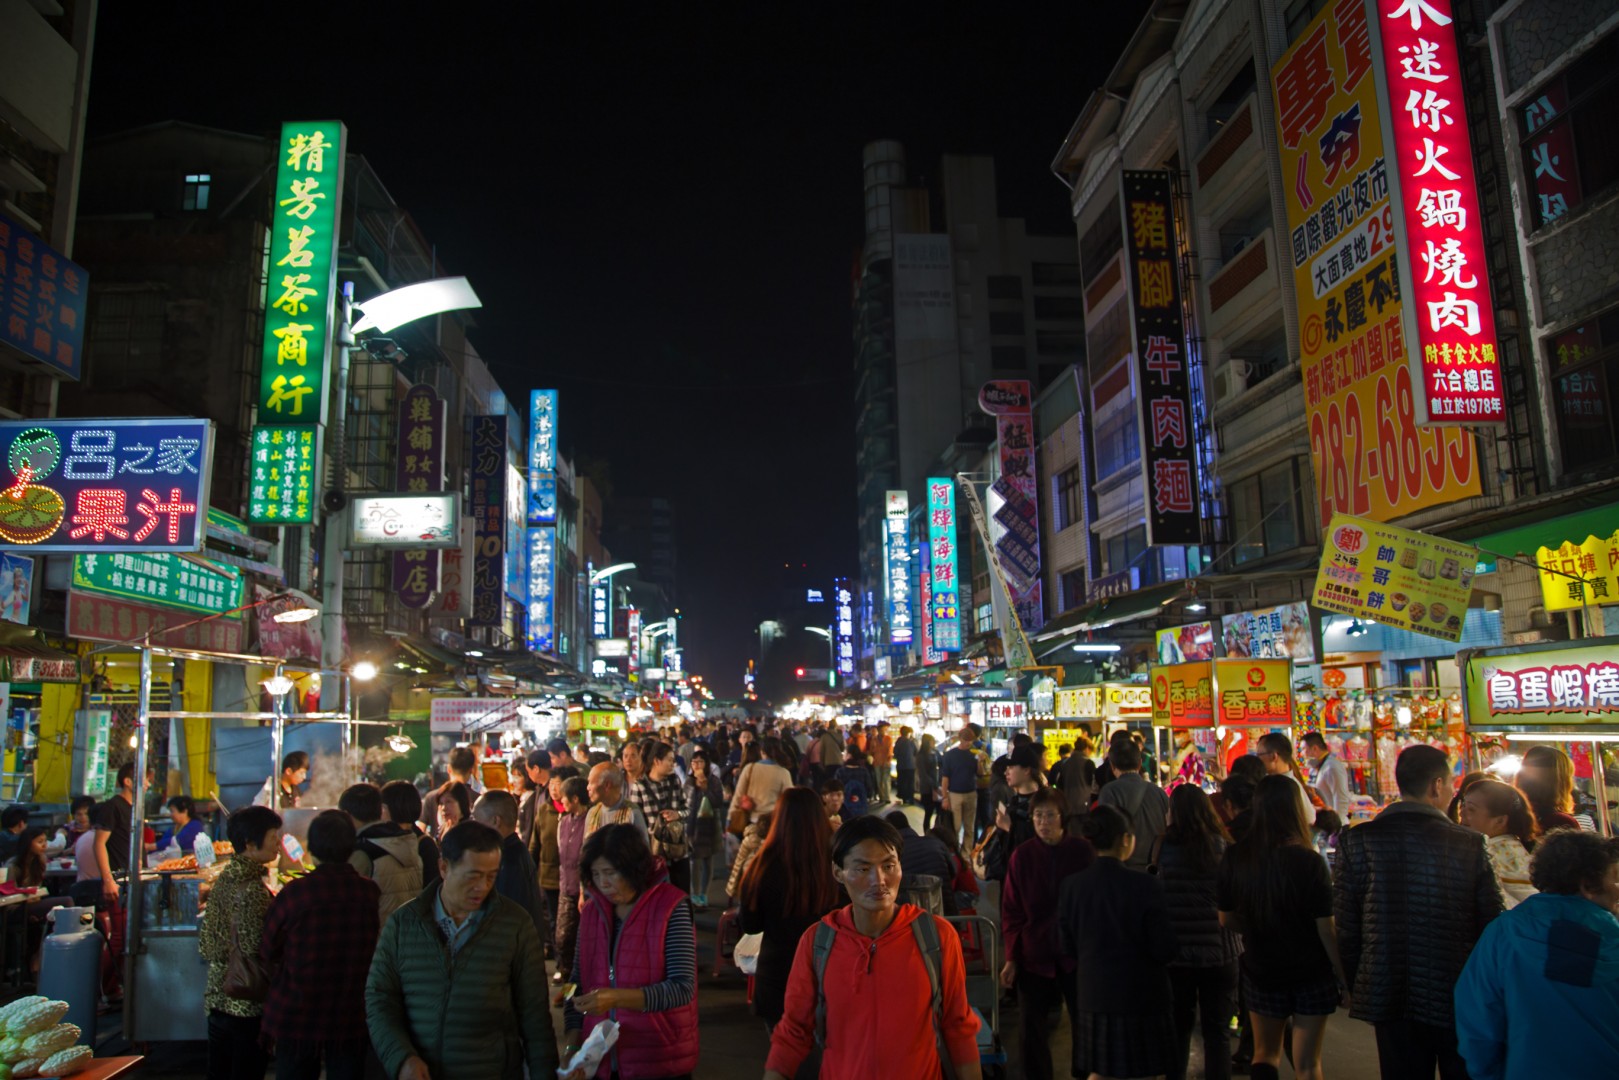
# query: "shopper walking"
1412 894
1203 975
237 907
570 845
905 766
927 780
880 749
1143 804
705 809
959 771
1546 779
760 783
661 798
608 802
384 852
518 880
1034 966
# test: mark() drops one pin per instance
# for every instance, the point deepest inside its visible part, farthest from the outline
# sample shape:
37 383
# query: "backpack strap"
926 932
824 937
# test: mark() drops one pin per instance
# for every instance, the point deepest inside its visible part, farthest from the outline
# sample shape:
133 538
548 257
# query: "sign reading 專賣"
1595 561
541 554
162 580
1572 686
42 299
419 468
1397 577
542 457
488 514
897 560
1438 226
405 520
945 589
105 485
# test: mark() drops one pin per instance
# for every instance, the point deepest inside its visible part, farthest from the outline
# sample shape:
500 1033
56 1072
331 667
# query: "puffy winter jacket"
1193 910
389 855
1412 892
1540 994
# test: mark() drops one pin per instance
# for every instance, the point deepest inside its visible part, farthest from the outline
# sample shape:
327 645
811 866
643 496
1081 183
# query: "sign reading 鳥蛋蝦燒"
1570 686
42 299
419 467
162 580
283 463
945 591
1450 321
105 485
488 512
300 302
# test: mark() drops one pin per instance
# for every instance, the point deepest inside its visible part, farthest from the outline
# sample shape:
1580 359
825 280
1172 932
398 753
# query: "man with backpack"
387 853
858 784
877 950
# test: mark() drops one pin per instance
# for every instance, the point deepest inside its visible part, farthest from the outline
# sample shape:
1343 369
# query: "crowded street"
848 541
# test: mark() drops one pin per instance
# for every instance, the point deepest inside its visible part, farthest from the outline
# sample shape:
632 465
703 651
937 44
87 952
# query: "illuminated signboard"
1163 380
843 627
162 580
1438 229
814 596
419 467
1569 686
405 520
1014 503
542 457
946 590
601 611
105 485
42 299
541 561
898 548
284 467
1371 454
488 514
632 626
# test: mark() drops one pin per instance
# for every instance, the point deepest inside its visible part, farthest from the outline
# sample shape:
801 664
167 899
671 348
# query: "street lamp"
599 576
596 578
831 652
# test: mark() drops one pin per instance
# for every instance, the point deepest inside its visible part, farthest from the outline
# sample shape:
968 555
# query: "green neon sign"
285 464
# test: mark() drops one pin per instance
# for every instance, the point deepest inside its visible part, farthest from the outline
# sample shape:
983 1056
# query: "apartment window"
1584 366
1059 307
1569 153
1065 497
1265 513
1057 343
1122 551
1005 287
1071 588
195 195
1009 323
984 618
1299 13
1009 357
1117 444
1055 275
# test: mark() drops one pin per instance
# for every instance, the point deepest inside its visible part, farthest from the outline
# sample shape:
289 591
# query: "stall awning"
1524 540
24 657
1113 610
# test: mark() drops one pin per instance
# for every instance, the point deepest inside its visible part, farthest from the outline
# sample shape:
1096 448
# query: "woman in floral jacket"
237 905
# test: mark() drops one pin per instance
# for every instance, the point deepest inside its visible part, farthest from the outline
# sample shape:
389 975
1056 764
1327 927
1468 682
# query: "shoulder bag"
741 805
247 976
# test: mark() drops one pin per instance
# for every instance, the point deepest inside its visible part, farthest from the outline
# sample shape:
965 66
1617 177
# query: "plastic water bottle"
203 848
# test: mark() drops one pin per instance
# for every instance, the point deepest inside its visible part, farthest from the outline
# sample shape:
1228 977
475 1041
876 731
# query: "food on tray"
184 862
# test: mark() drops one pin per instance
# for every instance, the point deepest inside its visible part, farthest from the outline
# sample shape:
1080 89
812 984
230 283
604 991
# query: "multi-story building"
641 529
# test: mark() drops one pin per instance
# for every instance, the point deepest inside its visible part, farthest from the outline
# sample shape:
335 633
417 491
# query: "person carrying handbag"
758 786
660 797
229 939
704 804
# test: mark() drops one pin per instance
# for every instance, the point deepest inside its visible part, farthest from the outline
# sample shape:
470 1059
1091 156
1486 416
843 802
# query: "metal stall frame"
278 717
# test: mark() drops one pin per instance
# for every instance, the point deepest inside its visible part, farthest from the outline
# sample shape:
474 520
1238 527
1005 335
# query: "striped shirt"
679 983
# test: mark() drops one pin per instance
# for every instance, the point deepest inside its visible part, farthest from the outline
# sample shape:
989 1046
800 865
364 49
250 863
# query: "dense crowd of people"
1462 922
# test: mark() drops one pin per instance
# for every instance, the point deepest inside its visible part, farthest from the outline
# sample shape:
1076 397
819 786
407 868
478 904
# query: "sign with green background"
161 580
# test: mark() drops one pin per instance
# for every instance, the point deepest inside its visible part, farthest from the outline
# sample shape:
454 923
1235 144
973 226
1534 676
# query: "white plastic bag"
589 1056
746 953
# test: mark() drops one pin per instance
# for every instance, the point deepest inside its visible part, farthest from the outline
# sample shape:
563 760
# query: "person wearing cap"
1014 819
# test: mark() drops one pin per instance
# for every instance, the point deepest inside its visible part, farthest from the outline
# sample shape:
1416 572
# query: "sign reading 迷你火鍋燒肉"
1397 577
1573 685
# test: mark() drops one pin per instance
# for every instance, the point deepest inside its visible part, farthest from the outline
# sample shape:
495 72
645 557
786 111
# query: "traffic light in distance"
800 673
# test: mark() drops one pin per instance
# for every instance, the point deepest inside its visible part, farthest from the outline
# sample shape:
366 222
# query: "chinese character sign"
1595 561
1397 577
601 610
301 299
284 463
454 597
541 557
1164 407
1371 454
1450 319
42 297
105 485
161 580
1568 686
1014 508
945 588
1253 692
488 518
542 457
1182 695
897 548
1269 633
419 467
843 628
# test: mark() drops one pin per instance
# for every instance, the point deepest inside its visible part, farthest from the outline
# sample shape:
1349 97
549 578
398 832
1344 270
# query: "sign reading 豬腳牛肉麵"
1572 686
1398 577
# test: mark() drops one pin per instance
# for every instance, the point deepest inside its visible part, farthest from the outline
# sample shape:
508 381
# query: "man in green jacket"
457 989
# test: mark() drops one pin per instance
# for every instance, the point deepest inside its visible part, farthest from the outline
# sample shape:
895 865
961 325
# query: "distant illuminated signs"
285 463
542 457
105 485
946 590
1003 714
814 596
488 509
541 552
42 299
601 617
405 520
896 545
419 467
1438 227
843 627
632 627
1015 496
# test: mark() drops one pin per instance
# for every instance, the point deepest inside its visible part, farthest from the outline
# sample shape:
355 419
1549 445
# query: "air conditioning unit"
1230 380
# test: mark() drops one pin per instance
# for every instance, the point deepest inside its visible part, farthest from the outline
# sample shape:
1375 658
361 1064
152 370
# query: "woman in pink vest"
636 962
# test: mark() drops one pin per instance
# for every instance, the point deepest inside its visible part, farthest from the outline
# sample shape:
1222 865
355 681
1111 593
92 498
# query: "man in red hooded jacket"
880 1019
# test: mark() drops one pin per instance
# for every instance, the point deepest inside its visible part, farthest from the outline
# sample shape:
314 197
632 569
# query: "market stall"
1097 710
1563 694
1213 708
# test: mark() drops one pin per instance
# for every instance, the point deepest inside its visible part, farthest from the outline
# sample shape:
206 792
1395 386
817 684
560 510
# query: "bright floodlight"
295 615
823 631
608 571
365 671
416 301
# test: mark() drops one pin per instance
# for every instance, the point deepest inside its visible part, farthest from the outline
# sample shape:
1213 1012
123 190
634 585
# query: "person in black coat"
1113 928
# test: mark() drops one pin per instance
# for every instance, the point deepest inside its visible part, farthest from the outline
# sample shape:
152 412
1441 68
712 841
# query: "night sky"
659 209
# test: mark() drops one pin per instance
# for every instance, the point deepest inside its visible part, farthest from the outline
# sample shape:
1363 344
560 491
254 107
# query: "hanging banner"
542 457
1254 692
1164 413
541 556
946 594
454 598
1014 502
160 580
1571 686
1183 695
419 467
92 617
1180 644
488 516
897 559
1400 578
1438 227
1596 560
1276 632
42 299
1371 454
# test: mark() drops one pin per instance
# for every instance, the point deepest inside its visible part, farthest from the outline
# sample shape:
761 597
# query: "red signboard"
101 618
1449 316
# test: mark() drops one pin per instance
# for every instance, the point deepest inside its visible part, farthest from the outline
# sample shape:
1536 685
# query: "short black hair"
655 750
362 802
1125 756
1315 739
298 759
1047 796
184 804
557 746
831 786
625 849
901 823
249 826
126 774
1105 826
539 759
403 801
575 787
1275 742
496 805
82 802
468 835
1567 859
462 759
1418 766
857 831
13 815
331 836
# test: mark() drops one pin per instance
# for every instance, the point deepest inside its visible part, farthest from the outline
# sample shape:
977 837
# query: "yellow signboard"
1596 560
1183 695
1254 692
1398 577
1079 703
1370 456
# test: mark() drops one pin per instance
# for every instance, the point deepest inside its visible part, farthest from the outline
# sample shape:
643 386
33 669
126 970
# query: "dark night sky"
659 211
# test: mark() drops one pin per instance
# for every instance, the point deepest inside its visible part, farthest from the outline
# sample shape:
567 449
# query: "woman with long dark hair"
1502 814
785 890
1274 889
927 780
1203 975
1546 779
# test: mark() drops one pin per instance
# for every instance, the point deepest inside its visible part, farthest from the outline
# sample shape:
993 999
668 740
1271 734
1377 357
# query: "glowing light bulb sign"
105 485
